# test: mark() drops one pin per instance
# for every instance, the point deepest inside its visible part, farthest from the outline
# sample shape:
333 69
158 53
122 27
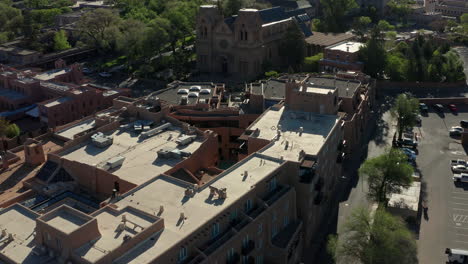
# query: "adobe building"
207 107
135 185
241 44
60 95
342 57
318 41
356 98
450 8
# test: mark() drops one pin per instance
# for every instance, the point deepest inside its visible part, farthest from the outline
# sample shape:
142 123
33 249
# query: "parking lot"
446 222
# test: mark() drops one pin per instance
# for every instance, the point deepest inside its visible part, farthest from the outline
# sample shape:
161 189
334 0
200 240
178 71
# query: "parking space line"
460 203
460 193
458 241
459 209
461 198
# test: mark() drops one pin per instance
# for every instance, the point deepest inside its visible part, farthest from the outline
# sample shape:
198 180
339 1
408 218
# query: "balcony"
274 195
235 258
217 242
246 249
254 213
240 224
308 169
286 237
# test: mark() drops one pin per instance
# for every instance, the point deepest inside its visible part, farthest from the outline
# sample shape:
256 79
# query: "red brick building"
341 57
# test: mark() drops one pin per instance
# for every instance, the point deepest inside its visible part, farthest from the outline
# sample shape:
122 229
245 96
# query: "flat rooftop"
141 159
66 222
198 209
327 39
272 89
407 199
58 101
49 75
171 96
80 127
316 128
108 220
349 46
12 95
346 88
20 222
319 90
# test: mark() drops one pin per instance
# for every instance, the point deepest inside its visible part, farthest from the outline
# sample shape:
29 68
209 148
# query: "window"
273 184
230 254
285 220
245 260
274 230
259 259
260 228
245 241
248 205
215 230
260 244
182 254
59 245
274 217
233 215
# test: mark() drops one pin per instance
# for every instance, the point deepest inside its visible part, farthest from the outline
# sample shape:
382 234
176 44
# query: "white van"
457 256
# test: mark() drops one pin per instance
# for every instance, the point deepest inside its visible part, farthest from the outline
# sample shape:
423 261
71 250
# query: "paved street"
446 224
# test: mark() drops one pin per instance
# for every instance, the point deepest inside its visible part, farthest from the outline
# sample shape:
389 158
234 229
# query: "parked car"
406 142
464 123
455 131
418 119
87 70
452 107
408 151
460 177
458 162
439 107
459 168
423 107
105 74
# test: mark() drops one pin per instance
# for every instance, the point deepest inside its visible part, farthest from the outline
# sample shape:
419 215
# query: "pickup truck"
458 162
461 177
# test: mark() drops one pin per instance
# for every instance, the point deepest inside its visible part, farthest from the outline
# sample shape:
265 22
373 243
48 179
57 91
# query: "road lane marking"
460 203
459 209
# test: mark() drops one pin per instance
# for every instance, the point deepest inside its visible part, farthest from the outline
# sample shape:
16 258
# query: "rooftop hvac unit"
195 88
155 131
114 162
101 141
205 91
185 139
182 91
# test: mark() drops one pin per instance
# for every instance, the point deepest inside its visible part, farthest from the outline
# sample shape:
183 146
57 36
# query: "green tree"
8 129
360 25
317 25
370 239
131 41
396 67
311 64
232 7
157 36
334 12
383 25
405 110
61 41
373 54
292 47
386 174
452 69
99 28
12 131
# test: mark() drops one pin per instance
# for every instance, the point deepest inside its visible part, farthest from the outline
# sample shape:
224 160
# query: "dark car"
406 142
423 107
439 107
464 123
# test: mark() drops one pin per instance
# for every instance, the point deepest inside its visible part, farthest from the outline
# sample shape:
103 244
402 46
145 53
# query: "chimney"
301 129
161 209
182 216
347 48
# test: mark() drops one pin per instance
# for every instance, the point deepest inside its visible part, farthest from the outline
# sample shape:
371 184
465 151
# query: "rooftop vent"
195 88
100 140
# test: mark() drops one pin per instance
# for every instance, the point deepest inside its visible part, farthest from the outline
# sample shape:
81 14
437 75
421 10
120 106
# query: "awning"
33 112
